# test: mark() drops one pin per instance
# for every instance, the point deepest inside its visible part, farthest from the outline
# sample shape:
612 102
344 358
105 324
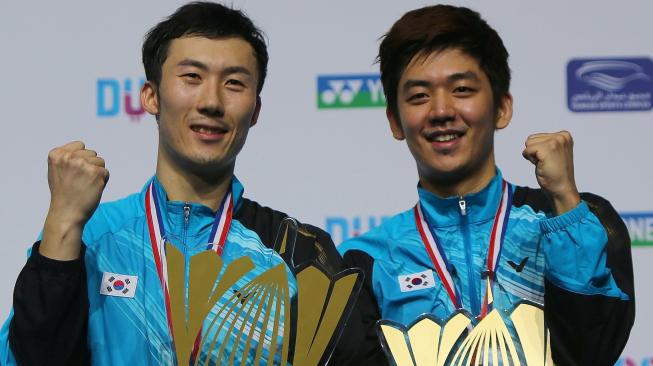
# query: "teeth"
206 130
445 138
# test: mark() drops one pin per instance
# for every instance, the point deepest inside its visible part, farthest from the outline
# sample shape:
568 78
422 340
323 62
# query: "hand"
77 178
552 155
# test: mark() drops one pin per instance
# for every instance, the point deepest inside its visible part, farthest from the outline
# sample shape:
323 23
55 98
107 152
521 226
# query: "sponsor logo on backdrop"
610 84
350 91
640 227
119 97
629 361
342 228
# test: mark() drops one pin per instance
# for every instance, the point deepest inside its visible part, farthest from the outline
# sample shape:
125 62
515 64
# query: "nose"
441 107
211 100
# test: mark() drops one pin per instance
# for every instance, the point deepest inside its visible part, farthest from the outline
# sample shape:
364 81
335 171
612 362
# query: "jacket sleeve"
589 293
50 312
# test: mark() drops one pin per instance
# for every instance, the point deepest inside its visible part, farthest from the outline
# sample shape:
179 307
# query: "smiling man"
96 289
475 243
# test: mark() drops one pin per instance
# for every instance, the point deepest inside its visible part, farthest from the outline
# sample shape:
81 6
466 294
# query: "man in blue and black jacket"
474 242
96 288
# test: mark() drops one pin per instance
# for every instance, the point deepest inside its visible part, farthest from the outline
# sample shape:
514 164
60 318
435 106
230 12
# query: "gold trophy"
251 325
460 342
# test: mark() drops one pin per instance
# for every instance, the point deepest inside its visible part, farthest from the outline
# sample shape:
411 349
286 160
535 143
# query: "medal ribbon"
219 230
439 259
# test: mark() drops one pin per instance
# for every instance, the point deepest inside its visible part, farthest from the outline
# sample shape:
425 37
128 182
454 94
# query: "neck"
460 186
207 189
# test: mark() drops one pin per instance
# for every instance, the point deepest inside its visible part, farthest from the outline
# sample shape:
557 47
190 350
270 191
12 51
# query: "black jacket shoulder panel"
369 350
531 197
312 244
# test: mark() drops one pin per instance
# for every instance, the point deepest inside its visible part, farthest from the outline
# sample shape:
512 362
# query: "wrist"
565 201
62 237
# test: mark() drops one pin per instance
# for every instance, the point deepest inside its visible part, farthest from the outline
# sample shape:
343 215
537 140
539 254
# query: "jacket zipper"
186 258
186 220
469 256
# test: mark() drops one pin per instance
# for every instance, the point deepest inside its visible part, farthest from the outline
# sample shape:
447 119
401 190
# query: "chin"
447 175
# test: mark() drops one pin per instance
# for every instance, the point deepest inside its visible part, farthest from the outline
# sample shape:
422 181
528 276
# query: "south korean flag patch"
114 284
416 281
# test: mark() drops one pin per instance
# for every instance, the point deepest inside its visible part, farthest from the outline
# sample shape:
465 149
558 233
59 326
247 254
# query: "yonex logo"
350 91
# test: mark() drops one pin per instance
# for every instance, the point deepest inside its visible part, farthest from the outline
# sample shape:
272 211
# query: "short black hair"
203 19
436 28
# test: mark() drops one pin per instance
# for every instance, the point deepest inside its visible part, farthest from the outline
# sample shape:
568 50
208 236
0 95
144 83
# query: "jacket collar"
201 216
480 206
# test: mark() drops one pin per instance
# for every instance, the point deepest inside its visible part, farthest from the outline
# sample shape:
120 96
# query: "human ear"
149 98
395 124
257 110
504 112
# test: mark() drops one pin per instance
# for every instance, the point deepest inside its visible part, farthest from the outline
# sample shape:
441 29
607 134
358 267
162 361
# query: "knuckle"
565 135
54 154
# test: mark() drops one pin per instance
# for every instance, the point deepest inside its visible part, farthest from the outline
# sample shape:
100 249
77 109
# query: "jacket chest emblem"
416 281
119 285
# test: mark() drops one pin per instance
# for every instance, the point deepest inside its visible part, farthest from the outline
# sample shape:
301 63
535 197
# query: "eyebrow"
202 66
466 75
194 63
237 70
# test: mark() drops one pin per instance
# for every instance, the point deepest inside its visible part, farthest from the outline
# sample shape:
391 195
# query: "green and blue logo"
349 91
640 227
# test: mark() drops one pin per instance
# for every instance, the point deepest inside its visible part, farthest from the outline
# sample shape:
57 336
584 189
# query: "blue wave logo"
610 76
608 85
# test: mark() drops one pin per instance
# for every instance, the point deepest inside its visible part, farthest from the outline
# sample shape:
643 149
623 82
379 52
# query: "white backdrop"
349 169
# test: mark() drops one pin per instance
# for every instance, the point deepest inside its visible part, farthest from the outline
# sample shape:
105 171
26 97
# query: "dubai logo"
342 228
624 84
115 97
349 91
257 317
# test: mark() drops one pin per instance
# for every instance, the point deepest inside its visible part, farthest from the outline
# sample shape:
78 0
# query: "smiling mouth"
206 130
444 136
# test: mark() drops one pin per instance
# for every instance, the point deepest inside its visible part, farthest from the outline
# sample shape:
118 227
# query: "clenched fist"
552 155
77 177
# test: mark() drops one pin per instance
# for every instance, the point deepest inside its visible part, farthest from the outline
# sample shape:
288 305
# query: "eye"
191 76
463 90
235 85
235 82
416 97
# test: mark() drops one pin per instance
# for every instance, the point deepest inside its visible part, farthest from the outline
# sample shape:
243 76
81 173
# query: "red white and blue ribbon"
496 244
219 230
439 259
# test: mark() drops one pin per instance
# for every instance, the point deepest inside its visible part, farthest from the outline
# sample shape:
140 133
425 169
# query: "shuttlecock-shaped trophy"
251 325
428 342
